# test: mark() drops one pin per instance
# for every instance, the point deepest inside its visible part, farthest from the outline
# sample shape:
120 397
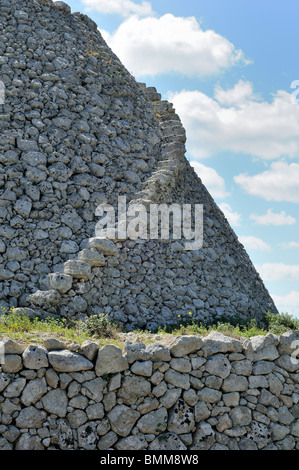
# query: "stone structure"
76 131
185 393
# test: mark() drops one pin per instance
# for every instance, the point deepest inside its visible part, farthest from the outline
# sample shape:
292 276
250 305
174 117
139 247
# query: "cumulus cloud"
124 8
211 179
239 95
290 245
280 183
254 243
278 271
234 218
152 46
237 120
272 218
288 303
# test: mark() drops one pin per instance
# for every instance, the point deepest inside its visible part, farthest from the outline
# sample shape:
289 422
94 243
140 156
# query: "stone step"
92 256
60 282
44 299
106 246
77 269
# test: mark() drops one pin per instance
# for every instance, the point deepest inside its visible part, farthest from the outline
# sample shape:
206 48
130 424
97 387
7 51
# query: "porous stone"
154 422
218 365
168 442
184 345
60 282
122 419
30 417
56 402
181 418
35 357
77 269
33 391
132 388
110 360
68 361
216 342
12 363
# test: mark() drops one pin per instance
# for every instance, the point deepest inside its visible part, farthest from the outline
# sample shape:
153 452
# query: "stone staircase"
95 251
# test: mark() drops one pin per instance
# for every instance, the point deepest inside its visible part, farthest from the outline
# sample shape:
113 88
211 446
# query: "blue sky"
230 69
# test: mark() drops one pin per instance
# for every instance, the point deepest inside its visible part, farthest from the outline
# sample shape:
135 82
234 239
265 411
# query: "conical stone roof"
77 132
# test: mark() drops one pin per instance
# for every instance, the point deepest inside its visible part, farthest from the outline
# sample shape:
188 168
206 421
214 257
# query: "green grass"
27 329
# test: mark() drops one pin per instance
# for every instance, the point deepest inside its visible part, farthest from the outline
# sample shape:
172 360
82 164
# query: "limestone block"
154 422
78 269
133 388
44 299
14 389
144 368
168 441
56 402
35 357
216 342
12 363
92 256
177 379
33 391
106 246
87 436
218 365
110 360
60 282
181 418
31 417
68 361
122 419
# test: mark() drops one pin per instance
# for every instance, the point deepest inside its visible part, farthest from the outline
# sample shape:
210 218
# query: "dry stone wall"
76 131
183 393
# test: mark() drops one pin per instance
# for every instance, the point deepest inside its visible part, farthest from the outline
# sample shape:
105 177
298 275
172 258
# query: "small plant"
160 430
281 322
98 325
107 377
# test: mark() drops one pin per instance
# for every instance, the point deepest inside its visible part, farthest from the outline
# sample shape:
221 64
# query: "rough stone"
68 361
218 365
31 417
56 402
122 419
154 422
181 418
216 342
35 357
110 360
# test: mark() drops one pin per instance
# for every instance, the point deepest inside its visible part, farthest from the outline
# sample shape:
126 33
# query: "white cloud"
272 218
287 303
121 7
278 272
236 120
152 46
240 94
233 217
254 243
290 245
280 183
211 179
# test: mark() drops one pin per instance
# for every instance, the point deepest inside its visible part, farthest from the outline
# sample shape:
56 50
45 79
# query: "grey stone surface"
79 132
157 402
110 360
68 361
